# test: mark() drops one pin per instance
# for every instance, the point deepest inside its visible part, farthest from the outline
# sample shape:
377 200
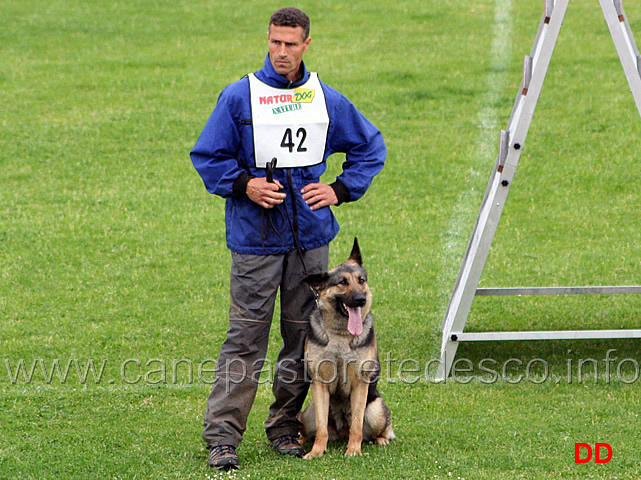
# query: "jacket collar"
271 77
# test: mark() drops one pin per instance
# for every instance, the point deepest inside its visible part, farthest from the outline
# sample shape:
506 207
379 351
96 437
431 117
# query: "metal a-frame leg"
511 141
625 44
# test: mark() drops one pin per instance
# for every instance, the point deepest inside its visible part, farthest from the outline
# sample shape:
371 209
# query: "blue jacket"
224 158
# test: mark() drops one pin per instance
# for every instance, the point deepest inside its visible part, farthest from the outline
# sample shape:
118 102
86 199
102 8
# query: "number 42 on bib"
289 124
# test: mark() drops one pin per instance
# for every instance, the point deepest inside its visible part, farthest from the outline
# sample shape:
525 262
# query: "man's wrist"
341 191
240 184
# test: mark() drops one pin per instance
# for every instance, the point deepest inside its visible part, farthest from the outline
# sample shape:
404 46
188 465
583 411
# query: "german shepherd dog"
342 360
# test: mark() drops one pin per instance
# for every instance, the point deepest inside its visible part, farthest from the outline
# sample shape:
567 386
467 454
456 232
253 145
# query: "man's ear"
318 281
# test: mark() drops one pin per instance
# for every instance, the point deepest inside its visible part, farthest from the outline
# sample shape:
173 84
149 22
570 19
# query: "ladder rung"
504 140
549 6
618 5
545 335
559 290
527 74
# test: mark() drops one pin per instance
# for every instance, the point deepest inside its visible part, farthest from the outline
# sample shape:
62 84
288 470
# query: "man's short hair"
291 17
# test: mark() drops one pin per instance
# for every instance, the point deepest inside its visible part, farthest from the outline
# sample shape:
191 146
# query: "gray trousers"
255 280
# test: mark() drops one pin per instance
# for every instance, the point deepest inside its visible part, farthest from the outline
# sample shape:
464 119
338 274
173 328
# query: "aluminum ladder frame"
511 141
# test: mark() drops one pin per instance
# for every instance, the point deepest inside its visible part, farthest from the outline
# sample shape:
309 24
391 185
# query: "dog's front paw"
381 441
314 452
353 451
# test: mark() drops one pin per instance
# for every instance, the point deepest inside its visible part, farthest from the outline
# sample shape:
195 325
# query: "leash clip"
316 294
271 166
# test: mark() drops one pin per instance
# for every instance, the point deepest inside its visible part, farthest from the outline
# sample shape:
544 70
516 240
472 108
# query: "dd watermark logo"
583 453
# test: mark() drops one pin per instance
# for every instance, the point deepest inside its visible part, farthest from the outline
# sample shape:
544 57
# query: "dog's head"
343 293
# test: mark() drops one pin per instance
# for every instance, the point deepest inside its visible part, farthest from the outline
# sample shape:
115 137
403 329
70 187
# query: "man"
264 149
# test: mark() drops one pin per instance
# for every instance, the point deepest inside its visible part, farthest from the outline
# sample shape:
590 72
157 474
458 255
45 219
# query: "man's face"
286 48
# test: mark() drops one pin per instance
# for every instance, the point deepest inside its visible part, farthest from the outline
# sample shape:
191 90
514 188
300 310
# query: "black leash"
268 212
293 226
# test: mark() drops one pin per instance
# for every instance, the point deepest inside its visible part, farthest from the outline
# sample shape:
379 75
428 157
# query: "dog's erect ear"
356 253
317 281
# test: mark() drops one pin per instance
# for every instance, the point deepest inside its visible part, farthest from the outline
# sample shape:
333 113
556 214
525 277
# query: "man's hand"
319 195
265 194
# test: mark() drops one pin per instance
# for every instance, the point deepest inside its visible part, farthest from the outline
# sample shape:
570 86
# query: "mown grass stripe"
455 237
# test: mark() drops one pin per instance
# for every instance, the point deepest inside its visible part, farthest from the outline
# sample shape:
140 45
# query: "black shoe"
223 457
288 445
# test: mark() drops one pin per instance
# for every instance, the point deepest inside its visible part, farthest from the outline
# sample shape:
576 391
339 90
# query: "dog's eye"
344 282
362 280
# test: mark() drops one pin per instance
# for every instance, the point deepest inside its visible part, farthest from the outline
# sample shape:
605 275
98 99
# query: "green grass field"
114 269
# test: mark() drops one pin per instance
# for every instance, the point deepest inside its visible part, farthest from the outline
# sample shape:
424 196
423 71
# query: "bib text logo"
304 95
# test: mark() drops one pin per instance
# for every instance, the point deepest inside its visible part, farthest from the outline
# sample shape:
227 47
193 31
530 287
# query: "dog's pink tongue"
355 323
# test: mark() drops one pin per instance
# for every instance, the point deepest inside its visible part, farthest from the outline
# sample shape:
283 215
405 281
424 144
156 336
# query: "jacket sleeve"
365 151
215 155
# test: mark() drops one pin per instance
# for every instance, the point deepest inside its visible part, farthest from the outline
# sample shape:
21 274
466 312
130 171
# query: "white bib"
289 124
